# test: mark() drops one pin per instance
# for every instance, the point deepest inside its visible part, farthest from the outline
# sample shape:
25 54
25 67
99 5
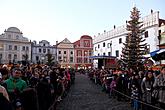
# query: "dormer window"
17 37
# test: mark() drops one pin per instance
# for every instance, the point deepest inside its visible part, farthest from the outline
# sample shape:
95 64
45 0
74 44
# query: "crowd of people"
144 90
36 87
33 87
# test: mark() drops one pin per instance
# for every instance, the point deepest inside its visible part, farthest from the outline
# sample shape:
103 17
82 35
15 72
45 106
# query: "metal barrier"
139 101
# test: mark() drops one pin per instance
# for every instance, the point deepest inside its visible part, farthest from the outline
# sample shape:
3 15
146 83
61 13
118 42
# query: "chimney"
151 11
114 26
56 42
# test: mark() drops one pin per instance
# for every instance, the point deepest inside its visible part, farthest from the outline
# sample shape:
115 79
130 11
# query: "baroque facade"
83 50
14 47
110 43
65 53
40 50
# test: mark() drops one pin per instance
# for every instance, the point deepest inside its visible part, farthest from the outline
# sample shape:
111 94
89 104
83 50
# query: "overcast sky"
58 19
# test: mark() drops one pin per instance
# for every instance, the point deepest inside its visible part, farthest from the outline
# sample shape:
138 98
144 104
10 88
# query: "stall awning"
102 57
157 52
158 55
161 51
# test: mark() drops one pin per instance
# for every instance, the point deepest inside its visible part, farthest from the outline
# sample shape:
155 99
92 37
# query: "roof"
86 37
65 41
13 29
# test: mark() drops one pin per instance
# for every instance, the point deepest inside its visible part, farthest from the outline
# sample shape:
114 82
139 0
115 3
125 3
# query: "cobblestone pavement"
84 95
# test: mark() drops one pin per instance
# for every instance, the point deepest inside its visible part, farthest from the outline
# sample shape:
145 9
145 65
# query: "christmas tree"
134 48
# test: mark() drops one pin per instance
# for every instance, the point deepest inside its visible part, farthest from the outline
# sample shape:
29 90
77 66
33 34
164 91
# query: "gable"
65 41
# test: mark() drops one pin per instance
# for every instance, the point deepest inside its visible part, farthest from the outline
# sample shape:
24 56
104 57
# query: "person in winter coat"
4 103
135 92
113 86
160 85
44 93
15 82
147 88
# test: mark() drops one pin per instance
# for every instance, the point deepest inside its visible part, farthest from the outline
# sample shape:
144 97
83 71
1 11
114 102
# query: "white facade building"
13 46
110 43
40 50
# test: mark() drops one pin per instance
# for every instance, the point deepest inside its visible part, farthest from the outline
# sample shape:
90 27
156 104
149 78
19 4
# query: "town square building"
65 53
83 50
40 51
14 47
110 43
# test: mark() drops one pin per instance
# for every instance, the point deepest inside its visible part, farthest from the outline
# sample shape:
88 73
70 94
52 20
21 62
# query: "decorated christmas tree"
134 47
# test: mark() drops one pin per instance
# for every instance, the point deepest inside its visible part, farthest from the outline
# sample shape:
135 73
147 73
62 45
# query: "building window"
39 50
86 43
17 37
104 54
43 44
90 53
104 44
109 45
85 60
90 60
146 34
59 58
71 52
109 53
79 53
98 54
95 48
10 47
15 47
27 48
117 53
64 59
59 52
79 60
85 53
37 58
98 46
64 52
44 50
1 46
0 58
120 40
9 56
23 48
48 50
71 59
147 49
15 56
